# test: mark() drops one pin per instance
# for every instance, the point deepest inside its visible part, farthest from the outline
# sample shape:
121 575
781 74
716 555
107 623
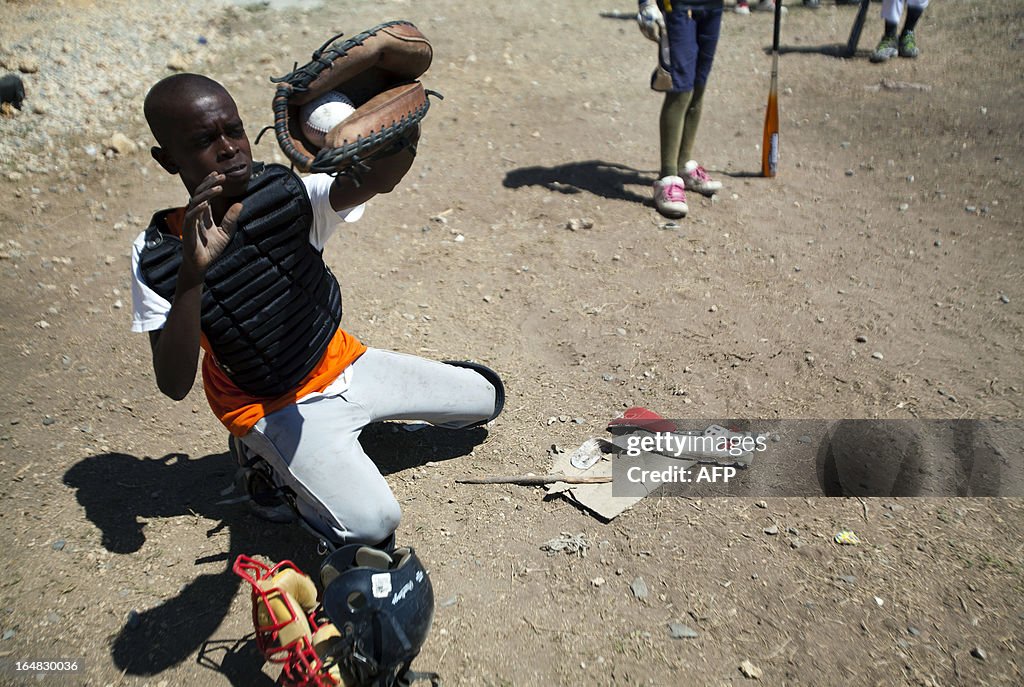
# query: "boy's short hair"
170 93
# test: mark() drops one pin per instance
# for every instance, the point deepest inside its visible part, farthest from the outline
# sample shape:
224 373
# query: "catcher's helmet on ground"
383 606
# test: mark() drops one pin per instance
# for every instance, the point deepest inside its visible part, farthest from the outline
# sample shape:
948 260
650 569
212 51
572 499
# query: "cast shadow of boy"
119 492
604 179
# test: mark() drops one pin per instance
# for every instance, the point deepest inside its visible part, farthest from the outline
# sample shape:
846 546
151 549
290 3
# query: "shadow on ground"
604 179
121 492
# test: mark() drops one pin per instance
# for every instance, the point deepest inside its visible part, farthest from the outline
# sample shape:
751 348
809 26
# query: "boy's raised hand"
203 239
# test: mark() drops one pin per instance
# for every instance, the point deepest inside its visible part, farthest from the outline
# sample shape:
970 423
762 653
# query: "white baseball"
323 114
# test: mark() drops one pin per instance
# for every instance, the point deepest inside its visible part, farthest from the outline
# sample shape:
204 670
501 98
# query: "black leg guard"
492 377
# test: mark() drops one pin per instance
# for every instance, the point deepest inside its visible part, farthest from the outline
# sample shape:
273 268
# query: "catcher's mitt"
377 69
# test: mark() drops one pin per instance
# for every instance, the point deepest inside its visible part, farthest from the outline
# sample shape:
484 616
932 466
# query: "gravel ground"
85 79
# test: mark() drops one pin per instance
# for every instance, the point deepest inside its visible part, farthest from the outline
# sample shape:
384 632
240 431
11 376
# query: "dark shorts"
692 40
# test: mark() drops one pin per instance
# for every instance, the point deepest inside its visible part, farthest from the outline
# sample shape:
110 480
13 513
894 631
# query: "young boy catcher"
687 32
239 273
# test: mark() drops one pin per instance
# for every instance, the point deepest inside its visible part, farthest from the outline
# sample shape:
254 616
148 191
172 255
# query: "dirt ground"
896 218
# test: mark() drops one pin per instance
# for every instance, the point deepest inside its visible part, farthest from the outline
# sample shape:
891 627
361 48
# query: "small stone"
750 671
575 224
28 65
879 601
771 531
913 631
58 545
805 439
639 589
904 207
608 377
848 579
861 338
979 653
680 631
849 172
597 582
761 504
1003 298
47 420
9 634
970 209
121 144
177 63
877 356
713 308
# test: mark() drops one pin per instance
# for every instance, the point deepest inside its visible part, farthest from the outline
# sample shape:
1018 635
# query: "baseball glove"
378 70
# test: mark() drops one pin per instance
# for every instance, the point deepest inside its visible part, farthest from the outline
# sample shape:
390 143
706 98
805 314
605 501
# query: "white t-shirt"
150 310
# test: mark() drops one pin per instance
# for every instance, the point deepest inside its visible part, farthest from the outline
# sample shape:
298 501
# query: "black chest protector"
270 305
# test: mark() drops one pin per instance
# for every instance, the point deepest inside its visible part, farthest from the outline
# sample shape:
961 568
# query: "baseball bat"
858 26
770 141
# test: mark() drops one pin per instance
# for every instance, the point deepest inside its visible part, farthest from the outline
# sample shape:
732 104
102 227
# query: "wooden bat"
532 480
770 141
858 26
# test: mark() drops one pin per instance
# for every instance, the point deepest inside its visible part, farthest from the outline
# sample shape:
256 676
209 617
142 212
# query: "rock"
771 531
979 653
177 62
121 144
58 545
1003 298
904 207
597 582
876 355
860 338
913 631
28 65
750 671
575 224
639 588
680 631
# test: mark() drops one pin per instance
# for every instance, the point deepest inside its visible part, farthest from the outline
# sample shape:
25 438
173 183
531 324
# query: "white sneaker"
670 197
697 180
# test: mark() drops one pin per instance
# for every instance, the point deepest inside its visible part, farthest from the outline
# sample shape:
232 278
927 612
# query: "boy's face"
211 138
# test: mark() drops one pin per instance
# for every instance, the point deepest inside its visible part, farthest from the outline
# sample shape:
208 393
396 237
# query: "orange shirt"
238 410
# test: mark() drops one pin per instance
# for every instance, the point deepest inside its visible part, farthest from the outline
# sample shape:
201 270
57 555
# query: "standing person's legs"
683 56
681 31
707 30
888 47
908 39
